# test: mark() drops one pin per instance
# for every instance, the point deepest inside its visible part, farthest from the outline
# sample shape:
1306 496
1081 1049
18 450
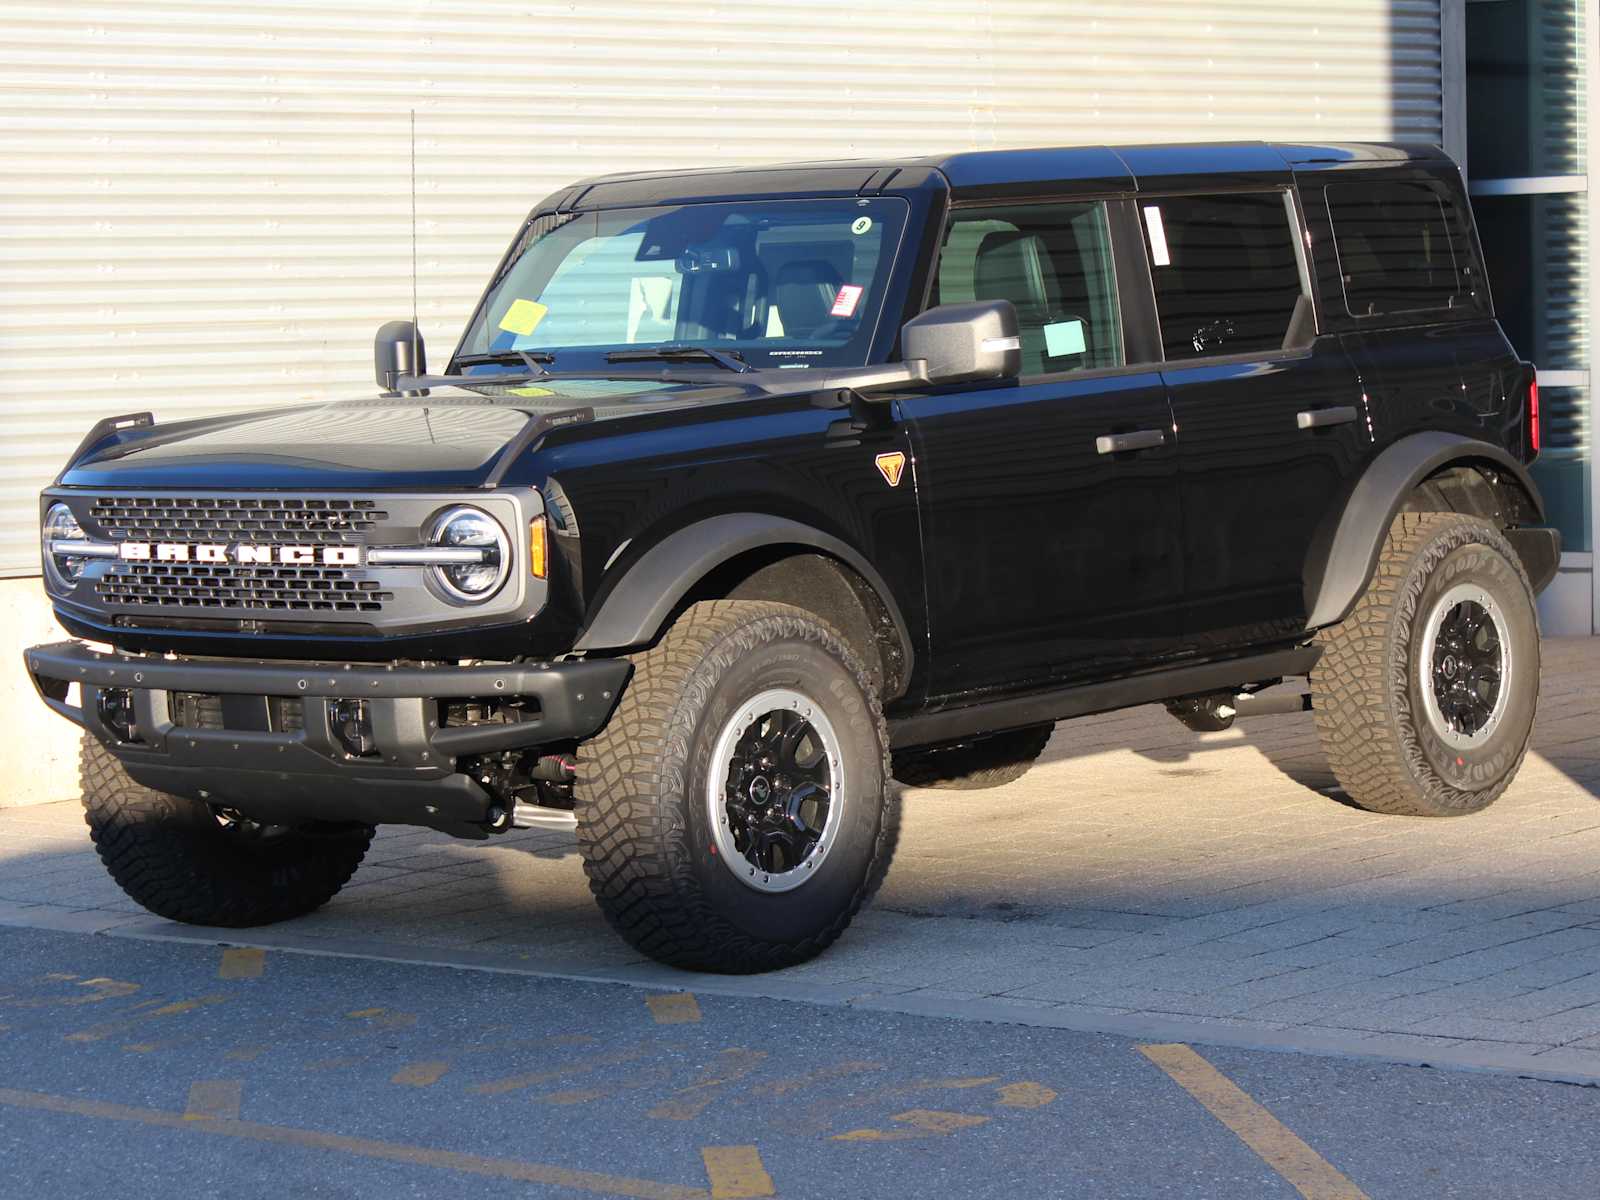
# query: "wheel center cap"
1448 666
760 789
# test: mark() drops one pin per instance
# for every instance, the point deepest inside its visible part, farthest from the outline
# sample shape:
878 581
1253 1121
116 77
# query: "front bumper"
277 758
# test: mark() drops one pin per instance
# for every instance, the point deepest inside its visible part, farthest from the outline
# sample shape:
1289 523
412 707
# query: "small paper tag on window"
523 317
844 304
1064 337
1158 236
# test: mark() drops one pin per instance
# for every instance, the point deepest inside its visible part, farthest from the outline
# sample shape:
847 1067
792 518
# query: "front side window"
1226 274
1053 262
1397 251
780 282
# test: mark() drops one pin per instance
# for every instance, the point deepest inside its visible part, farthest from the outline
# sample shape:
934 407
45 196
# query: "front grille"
236 519
255 520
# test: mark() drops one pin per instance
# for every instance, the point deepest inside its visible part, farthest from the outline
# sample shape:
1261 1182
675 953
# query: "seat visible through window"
1053 262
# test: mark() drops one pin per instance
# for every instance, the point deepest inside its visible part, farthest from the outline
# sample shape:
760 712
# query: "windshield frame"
876 341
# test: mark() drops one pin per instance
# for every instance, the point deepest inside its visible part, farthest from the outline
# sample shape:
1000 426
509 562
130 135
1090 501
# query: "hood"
452 437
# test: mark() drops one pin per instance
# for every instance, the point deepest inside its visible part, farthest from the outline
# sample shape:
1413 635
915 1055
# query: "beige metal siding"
204 204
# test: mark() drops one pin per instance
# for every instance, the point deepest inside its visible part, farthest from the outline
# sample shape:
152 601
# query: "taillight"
1533 414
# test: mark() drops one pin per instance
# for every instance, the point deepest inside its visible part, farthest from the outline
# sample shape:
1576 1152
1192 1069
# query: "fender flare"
1339 566
637 606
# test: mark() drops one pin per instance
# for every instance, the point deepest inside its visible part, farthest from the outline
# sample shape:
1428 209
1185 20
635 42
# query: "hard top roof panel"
1151 167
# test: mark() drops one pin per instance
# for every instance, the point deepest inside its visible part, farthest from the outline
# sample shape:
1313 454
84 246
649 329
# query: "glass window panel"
1536 249
1053 262
1226 277
1525 87
1402 248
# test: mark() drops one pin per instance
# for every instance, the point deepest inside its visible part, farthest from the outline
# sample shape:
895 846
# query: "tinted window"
1396 249
1225 270
1054 263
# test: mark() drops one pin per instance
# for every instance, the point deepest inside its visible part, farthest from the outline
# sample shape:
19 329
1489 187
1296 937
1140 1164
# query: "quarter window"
1053 262
1227 277
1397 251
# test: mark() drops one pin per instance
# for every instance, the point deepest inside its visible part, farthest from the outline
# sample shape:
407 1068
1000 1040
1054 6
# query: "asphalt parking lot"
1162 964
158 1070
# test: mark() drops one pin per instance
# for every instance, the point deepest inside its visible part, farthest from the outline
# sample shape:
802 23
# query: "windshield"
777 282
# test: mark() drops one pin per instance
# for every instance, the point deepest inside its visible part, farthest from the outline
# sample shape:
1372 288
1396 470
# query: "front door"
1271 418
1051 530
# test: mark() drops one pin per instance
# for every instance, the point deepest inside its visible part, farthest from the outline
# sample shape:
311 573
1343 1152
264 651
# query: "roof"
1098 167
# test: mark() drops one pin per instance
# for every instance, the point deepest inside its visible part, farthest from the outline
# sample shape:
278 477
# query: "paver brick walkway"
1214 881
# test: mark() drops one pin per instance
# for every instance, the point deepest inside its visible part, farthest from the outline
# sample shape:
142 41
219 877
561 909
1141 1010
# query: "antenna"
414 318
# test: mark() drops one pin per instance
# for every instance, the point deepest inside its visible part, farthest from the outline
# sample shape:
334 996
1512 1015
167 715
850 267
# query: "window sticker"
523 317
531 392
844 304
860 225
1064 337
1158 236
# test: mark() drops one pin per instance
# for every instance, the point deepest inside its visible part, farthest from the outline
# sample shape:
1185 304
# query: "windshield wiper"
727 360
534 360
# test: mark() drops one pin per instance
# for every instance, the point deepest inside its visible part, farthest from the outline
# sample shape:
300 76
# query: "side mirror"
392 354
965 342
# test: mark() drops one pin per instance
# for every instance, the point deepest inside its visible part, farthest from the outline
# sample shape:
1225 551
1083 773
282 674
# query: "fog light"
116 713
352 727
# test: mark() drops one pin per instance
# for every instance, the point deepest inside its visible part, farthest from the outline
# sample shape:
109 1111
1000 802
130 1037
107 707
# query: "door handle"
1143 439
1321 418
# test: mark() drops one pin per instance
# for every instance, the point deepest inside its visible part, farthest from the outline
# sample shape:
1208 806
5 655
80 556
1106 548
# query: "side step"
1035 708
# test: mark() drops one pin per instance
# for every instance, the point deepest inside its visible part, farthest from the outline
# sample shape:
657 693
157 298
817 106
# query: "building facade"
210 204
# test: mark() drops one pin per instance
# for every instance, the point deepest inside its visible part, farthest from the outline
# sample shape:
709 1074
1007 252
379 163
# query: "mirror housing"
392 354
960 343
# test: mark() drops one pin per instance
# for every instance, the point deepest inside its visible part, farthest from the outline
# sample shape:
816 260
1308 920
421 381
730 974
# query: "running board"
1037 708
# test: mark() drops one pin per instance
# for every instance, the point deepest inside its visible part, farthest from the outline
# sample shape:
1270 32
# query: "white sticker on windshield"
860 225
1064 337
1158 236
844 304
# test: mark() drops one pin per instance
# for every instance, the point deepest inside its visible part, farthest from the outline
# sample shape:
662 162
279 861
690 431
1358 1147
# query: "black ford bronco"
745 491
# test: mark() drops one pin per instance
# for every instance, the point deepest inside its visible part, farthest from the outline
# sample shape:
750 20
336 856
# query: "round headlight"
61 526
487 560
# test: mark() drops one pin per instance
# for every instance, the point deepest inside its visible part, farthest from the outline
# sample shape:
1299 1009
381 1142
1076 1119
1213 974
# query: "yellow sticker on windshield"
523 317
531 392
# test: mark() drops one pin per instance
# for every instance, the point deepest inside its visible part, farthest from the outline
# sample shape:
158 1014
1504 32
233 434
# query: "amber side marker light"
538 556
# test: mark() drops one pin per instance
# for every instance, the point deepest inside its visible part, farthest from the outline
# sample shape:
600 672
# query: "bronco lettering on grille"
240 552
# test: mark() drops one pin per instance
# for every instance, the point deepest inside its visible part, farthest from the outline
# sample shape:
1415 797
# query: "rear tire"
733 815
177 858
1425 695
988 763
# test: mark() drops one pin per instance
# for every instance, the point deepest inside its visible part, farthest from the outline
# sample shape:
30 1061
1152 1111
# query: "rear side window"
1053 262
1401 249
1226 273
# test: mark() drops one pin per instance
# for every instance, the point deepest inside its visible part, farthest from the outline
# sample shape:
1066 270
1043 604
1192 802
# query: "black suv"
746 490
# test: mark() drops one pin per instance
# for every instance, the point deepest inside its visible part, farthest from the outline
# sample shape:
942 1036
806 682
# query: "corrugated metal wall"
205 204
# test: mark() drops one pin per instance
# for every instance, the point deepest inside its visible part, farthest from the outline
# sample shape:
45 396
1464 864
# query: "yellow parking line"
736 1172
242 962
674 1008
420 1074
214 1100
312 1139
97 1033
1313 1176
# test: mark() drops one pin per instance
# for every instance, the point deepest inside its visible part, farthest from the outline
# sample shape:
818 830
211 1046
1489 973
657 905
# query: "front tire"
184 861
733 815
1425 695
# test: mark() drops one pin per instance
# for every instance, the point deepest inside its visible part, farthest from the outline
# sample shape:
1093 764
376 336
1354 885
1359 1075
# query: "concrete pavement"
1142 879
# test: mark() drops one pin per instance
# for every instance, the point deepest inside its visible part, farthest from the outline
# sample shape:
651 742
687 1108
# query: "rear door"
1270 418
1049 502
